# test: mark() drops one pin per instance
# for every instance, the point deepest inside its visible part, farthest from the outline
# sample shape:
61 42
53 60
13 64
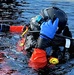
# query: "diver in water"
52 24
46 14
63 29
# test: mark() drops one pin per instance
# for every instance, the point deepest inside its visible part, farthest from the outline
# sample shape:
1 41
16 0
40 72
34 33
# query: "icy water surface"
19 12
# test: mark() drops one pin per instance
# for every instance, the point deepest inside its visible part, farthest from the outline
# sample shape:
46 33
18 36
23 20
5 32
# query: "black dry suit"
63 37
60 40
64 40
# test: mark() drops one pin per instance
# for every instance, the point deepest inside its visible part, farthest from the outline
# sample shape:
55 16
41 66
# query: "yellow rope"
24 32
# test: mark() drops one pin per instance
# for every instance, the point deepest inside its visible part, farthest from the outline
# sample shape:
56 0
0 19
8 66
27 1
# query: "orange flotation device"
16 29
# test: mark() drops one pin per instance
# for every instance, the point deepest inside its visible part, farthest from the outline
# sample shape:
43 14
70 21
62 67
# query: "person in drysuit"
44 23
63 28
47 32
50 22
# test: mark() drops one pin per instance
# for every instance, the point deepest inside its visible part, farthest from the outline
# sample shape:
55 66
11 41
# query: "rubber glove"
38 59
48 29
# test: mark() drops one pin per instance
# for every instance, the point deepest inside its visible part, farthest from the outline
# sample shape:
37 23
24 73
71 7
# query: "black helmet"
53 13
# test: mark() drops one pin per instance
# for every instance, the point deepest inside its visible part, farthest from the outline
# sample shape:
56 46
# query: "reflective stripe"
67 45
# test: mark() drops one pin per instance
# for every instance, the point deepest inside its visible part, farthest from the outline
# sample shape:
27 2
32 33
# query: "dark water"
20 12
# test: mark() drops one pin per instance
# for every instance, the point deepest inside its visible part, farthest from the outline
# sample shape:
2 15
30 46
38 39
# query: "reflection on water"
19 13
